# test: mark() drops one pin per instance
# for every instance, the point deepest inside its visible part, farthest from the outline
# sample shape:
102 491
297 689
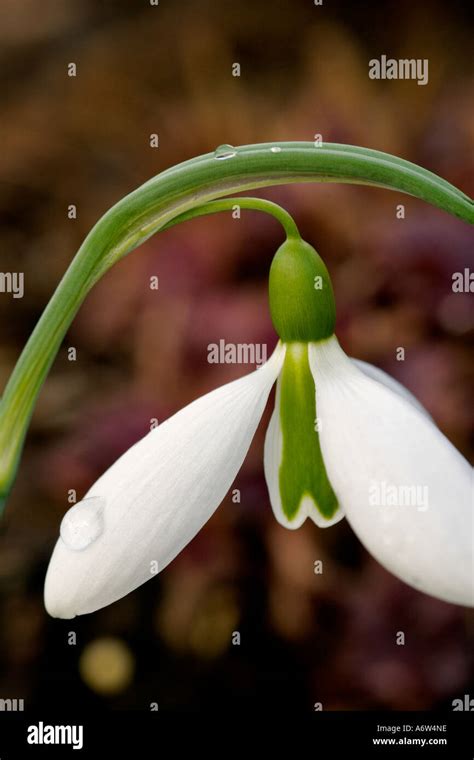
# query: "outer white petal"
372 440
159 494
271 461
378 374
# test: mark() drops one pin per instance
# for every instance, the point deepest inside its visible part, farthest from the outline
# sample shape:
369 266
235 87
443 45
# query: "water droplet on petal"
275 149
224 151
83 523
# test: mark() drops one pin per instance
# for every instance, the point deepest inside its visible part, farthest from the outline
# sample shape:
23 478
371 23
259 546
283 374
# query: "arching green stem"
173 193
253 204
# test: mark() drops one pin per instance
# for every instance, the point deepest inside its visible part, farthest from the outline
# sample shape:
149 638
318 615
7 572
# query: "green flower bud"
301 297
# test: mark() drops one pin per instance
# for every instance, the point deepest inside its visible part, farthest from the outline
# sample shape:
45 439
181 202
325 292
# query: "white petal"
380 453
272 459
383 377
158 495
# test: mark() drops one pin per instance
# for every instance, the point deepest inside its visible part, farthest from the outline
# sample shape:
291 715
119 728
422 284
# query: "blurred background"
141 353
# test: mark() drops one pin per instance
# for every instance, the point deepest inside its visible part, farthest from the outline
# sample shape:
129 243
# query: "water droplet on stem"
225 151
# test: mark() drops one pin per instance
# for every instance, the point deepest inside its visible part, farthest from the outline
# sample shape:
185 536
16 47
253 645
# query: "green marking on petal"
302 471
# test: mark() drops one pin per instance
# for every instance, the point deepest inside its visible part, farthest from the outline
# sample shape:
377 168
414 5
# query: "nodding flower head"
345 439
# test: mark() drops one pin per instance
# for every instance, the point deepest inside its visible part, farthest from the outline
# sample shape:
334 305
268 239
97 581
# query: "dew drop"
275 149
83 523
224 151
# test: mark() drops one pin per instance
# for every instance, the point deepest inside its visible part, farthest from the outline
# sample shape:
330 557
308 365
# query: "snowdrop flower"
344 439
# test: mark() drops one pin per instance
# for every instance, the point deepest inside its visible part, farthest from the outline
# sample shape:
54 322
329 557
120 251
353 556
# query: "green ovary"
302 472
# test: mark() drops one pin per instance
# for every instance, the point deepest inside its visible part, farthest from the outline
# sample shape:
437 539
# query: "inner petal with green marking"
297 479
